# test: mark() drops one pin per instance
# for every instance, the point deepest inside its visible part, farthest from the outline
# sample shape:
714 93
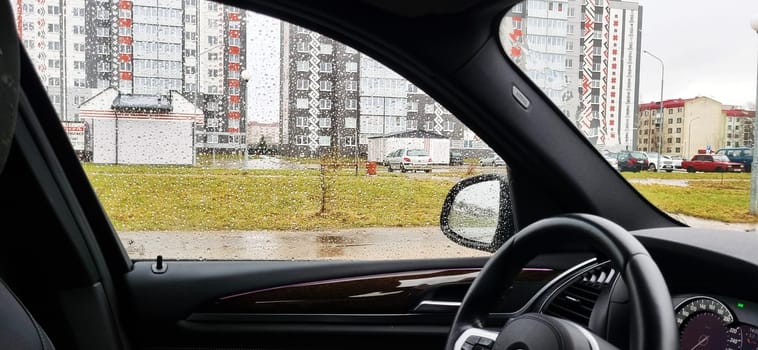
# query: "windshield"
634 77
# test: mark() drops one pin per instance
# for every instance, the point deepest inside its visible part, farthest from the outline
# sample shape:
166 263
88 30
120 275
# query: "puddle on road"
360 244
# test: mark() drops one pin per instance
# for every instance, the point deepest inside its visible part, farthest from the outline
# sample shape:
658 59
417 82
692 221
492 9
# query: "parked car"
742 155
711 162
612 159
666 162
456 158
491 160
676 161
409 159
632 161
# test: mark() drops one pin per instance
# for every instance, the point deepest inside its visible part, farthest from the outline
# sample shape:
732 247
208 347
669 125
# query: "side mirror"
477 212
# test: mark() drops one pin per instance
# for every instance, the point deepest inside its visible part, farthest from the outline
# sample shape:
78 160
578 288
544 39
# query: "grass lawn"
186 198
727 201
197 198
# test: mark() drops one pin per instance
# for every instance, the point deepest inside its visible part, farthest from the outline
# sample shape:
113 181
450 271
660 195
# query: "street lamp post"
660 134
754 166
245 75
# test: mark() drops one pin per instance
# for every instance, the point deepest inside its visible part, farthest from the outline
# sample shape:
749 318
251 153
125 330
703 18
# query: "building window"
301 103
351 67
301 122
234 58
569 62
569 45
324 140
325 104
213 73
212 56
351 104
679 120
326 49
350 123
234 90
302 46
678 140
302 84
54 63
351 85
301 140
325 67
125 31
324 122
54 45
302 66
325 85
449 125
678 130
411 124
54 82
677 150
349 141
53 10
429 109
412 106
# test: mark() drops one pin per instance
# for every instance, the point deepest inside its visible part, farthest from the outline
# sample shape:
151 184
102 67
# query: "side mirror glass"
477 212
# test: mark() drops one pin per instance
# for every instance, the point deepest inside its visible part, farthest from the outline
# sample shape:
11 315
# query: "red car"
711 162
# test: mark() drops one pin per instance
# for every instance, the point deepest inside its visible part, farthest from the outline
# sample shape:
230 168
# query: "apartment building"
739 127
142 47
585 57
688 125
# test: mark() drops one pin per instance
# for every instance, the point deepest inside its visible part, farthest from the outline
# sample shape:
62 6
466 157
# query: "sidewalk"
712 224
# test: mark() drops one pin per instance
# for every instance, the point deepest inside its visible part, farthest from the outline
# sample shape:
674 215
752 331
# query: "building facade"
319 106
688 125
269 132
585 57
193 47
334 99
739 127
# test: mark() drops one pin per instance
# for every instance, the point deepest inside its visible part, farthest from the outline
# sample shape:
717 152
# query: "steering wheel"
652 323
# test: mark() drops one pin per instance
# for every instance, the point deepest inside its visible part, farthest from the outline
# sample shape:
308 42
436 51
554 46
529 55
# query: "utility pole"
660 123
754 166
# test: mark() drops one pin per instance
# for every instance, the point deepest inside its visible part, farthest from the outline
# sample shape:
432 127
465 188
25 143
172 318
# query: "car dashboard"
708 275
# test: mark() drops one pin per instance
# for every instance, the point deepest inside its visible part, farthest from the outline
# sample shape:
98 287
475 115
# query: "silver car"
491 160
409 159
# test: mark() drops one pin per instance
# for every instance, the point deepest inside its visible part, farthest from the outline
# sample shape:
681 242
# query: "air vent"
577 298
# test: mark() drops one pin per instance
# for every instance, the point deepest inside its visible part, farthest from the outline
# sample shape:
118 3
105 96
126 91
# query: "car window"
216 133
603 64
417 153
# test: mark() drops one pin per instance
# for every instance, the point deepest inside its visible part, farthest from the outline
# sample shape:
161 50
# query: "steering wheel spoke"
476 339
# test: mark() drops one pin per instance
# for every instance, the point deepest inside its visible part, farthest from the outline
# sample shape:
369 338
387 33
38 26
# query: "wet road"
363 244
350 244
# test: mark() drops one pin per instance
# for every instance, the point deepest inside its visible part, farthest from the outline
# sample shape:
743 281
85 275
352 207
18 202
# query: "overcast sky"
708 49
